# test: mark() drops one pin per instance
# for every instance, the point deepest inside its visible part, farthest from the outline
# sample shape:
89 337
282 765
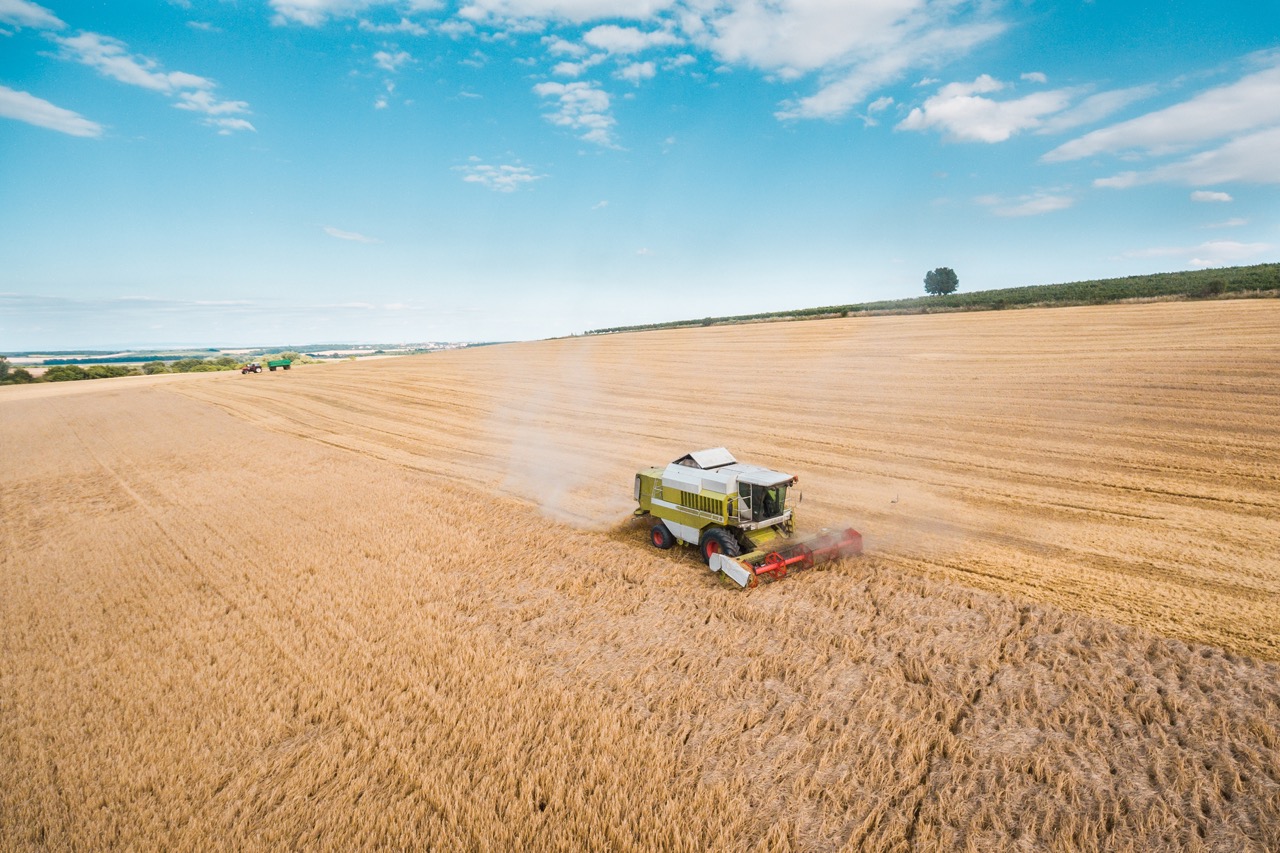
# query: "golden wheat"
396 603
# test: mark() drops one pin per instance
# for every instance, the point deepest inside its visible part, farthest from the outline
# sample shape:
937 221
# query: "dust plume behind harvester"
740 517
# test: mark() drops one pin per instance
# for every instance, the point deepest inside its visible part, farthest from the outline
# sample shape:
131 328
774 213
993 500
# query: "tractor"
740 517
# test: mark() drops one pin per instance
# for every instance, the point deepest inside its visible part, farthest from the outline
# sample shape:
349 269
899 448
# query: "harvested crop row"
1119 460
249 637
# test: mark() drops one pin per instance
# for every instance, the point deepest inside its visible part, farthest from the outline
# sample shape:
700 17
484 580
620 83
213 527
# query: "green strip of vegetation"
1194 284
10 375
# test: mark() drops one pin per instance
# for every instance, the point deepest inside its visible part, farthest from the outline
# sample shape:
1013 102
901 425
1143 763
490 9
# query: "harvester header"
740 517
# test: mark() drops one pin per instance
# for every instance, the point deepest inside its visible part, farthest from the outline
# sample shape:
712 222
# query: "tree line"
10 375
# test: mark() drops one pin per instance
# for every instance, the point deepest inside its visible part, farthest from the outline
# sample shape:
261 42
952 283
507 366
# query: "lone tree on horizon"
941 281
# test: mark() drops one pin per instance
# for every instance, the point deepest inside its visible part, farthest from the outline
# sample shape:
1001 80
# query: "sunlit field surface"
401 602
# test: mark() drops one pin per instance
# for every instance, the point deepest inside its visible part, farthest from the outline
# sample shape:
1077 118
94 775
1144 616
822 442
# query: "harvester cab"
740 517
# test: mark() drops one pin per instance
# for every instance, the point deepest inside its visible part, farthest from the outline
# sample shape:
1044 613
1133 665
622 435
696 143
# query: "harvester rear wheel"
717 540
661 537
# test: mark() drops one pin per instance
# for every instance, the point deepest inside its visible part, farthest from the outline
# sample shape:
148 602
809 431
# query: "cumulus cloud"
961 112
21 13
1207 195
352 236
626 40
24 106
581 107
557 46
848 49
503 179
1033 204
1035 77
636 72
391 62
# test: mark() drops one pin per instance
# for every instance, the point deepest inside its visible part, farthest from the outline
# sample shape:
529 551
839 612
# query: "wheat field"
401 603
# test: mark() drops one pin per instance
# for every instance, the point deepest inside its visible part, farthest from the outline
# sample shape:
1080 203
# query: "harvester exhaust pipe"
747 570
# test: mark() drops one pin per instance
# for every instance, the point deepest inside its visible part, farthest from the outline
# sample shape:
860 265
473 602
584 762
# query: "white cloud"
349 235
201 101
636 72
20 13
391 61
557 46
1035 77
227 125
600 205
24 106
1248 104
626 40
576 11
582 107
192 92
111 57
313 13
1234 222
1249 159
503 179
849 81
1207 195
1095 108
1026 205
404 25
961 113
1211 254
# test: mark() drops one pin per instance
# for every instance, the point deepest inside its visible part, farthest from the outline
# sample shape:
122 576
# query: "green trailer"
279 362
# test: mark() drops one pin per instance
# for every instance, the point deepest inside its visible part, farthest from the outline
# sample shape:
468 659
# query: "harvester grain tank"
740 517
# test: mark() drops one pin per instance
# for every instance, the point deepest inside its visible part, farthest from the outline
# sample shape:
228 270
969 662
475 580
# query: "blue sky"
224 173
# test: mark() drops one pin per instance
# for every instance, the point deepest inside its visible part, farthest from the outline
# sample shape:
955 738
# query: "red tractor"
251 367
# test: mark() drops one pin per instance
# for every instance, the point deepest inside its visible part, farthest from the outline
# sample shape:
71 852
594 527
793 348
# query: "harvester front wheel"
661 537
718 541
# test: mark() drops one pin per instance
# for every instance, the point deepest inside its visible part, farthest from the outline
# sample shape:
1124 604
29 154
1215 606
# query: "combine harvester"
739 516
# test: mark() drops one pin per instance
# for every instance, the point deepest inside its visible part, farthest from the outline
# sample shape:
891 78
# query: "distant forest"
1260 279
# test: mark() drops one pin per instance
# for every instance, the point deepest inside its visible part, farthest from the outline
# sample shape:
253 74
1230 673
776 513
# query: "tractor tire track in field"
338 610
1079 445
197 580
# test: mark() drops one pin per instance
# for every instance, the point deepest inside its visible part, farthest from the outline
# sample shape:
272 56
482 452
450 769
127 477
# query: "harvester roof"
712 457
716 470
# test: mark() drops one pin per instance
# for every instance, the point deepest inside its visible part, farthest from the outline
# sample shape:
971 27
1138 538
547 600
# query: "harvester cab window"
771 504
758 503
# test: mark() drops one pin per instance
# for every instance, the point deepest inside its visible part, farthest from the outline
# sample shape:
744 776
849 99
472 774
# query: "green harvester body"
740 517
